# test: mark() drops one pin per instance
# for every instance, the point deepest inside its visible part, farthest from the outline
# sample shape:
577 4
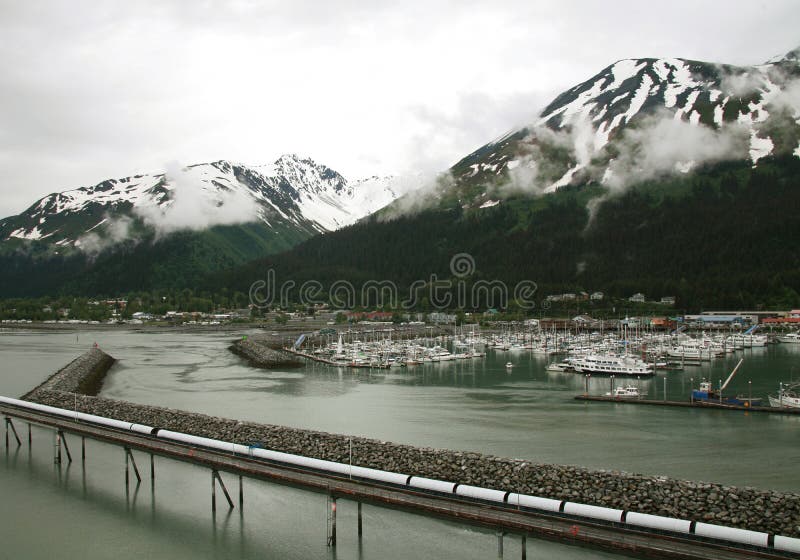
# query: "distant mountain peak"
791 56
638 119
294 192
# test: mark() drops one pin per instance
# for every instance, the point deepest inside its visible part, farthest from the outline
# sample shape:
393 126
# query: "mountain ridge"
585 197
743 112
292 192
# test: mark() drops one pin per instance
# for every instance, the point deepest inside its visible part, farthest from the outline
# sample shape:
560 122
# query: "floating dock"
708 405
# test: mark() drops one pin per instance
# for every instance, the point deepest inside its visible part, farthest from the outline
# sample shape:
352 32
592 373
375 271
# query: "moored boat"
608 364
629 392
707 394
789 338
788 396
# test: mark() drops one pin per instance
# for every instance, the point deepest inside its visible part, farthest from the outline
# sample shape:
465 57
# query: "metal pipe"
213 493
58 448
14 431
332 520
66 447
215 474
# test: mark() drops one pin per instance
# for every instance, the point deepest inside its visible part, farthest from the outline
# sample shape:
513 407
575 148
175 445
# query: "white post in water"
665 388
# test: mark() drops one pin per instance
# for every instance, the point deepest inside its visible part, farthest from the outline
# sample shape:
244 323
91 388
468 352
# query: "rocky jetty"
84 375
262 356
749 508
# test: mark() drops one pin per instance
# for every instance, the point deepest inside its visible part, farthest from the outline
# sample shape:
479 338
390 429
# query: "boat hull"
702 396
785 402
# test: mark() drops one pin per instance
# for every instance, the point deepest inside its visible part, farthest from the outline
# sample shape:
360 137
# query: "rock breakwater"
260 355
750 508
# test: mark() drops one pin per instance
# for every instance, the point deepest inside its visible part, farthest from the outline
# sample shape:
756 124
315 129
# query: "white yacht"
629 392
609 364
559 367
790 338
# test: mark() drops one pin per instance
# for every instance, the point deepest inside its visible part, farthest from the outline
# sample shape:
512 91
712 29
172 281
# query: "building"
597 296
751 317
707 320
372 316
441 318
637 298
667 300
662 323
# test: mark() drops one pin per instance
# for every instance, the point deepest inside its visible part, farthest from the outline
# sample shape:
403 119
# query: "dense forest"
721 238
724 237
174 262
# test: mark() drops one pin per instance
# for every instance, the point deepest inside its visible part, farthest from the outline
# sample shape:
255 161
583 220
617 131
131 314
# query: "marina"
527 412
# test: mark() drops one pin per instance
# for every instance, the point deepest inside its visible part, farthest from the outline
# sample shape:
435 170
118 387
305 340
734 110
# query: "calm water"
528 413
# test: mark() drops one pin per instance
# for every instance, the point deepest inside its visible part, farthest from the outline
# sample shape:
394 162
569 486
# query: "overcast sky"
95 90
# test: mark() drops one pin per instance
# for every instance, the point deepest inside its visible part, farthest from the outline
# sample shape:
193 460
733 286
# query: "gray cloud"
91 89
114 228
195 205
664 145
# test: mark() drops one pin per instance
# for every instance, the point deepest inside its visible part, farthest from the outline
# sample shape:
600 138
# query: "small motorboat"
629 392
509 365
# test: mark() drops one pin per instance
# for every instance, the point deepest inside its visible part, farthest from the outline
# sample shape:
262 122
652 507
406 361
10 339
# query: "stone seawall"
84 375
749 508
259 355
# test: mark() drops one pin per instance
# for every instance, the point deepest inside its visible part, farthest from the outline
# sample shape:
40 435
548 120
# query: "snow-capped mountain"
640 118
294 193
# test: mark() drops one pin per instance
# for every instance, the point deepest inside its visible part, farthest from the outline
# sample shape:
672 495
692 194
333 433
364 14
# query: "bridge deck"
506 519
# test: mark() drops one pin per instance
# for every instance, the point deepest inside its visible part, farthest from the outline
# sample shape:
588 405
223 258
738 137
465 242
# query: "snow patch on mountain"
293 190
198 198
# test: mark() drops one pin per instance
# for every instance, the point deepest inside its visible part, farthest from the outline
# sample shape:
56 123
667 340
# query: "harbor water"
477 405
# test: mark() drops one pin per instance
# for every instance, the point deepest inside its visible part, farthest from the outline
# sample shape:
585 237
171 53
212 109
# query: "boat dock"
709 405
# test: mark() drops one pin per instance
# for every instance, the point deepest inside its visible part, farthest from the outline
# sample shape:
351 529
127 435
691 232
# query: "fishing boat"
629 392
706 394
788 396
